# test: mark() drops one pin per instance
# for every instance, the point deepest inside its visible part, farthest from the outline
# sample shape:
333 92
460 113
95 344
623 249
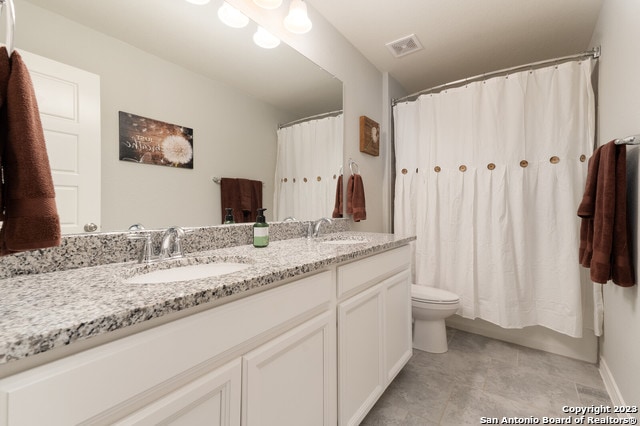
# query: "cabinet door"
397 314
291 380
360 354
213 399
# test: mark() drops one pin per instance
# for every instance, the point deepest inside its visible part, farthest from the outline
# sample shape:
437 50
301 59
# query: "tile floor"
482 377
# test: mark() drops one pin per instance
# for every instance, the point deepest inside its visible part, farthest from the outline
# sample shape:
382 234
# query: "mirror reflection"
174 62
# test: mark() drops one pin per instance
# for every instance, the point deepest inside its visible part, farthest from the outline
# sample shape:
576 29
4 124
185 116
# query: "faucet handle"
146 254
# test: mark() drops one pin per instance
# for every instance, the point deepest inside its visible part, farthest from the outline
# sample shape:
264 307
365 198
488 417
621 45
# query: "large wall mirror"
177 63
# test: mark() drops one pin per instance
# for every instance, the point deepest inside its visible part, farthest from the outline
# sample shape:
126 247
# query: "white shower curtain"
308 164
489 177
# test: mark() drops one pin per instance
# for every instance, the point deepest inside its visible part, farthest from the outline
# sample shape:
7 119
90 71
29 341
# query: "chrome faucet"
171 245
314 227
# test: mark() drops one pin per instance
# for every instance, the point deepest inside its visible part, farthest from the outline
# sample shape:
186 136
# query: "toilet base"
430 336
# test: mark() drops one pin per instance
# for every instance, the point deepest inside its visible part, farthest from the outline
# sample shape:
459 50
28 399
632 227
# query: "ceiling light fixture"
268 4
199 2
297 21
265 39
232 16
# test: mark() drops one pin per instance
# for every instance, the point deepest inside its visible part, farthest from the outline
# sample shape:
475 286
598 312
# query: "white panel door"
212 400
290 381
361 378
69 104
397 323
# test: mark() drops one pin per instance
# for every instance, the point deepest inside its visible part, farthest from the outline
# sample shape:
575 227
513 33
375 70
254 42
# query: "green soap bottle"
260 230
229 217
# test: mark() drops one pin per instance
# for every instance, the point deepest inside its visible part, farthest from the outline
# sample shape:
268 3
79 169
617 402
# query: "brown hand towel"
337 210
604 236
355 198
244 196
30 217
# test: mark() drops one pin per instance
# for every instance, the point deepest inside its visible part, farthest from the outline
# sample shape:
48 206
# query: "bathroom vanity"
310 333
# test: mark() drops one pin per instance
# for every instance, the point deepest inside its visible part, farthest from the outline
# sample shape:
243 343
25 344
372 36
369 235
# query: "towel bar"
629 140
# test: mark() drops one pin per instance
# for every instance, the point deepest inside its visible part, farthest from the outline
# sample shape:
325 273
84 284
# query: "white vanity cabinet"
213 399
290 381
178 372
317 350
374 330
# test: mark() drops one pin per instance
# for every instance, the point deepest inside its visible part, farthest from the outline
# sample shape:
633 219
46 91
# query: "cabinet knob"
90 227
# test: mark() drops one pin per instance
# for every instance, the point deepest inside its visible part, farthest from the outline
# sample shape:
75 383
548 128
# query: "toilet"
430 306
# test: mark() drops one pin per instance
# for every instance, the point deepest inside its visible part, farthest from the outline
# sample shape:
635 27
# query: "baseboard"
610 384
536 337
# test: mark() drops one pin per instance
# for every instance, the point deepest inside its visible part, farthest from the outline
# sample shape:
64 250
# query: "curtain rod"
595 53
302 120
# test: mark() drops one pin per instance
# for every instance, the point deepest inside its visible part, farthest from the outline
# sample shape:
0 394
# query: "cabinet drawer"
354 276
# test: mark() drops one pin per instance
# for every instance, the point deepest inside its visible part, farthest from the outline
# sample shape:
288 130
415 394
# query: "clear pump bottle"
229 217
261 230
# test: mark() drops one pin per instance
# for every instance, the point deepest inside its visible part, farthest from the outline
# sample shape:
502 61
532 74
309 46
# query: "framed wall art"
369 136
147 141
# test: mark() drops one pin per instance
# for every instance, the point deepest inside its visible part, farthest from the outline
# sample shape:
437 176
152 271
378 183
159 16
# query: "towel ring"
351 165
10 18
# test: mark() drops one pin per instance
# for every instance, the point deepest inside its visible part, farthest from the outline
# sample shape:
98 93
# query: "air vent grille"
404 46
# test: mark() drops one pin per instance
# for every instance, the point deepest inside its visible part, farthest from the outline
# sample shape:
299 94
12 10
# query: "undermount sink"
187 272
344 240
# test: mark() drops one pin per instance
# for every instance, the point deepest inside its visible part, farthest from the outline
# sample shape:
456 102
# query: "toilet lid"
432 294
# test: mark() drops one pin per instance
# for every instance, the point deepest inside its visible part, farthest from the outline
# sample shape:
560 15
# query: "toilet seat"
432 295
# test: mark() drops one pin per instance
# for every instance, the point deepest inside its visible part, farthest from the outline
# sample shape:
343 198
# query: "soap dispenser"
261 230
229 217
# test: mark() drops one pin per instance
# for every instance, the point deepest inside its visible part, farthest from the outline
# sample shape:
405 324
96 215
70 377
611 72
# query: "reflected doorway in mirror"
148 141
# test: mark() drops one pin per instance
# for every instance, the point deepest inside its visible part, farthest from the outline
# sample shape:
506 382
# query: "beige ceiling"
193 37
461 38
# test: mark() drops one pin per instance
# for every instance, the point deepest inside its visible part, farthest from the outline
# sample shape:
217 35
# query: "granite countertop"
44 311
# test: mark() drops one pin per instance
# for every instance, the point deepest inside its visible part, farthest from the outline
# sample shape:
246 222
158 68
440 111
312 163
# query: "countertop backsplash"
84 250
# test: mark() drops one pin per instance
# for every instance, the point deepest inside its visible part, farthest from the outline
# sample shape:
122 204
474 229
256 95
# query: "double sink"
214 266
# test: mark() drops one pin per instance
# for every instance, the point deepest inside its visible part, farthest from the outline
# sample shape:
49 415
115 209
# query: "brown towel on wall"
338 209
355 198
604 236
244 196
28 210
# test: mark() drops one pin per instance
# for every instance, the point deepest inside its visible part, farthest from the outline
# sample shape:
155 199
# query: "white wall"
391 90
362 93
136 82
619 116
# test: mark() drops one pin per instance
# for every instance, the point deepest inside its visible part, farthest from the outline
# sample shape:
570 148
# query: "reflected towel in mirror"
244 196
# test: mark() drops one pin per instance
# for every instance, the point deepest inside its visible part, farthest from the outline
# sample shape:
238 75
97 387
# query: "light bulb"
265 39
232 16
268 4
297 21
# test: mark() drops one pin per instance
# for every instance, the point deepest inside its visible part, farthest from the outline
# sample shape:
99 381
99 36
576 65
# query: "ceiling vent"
404 46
